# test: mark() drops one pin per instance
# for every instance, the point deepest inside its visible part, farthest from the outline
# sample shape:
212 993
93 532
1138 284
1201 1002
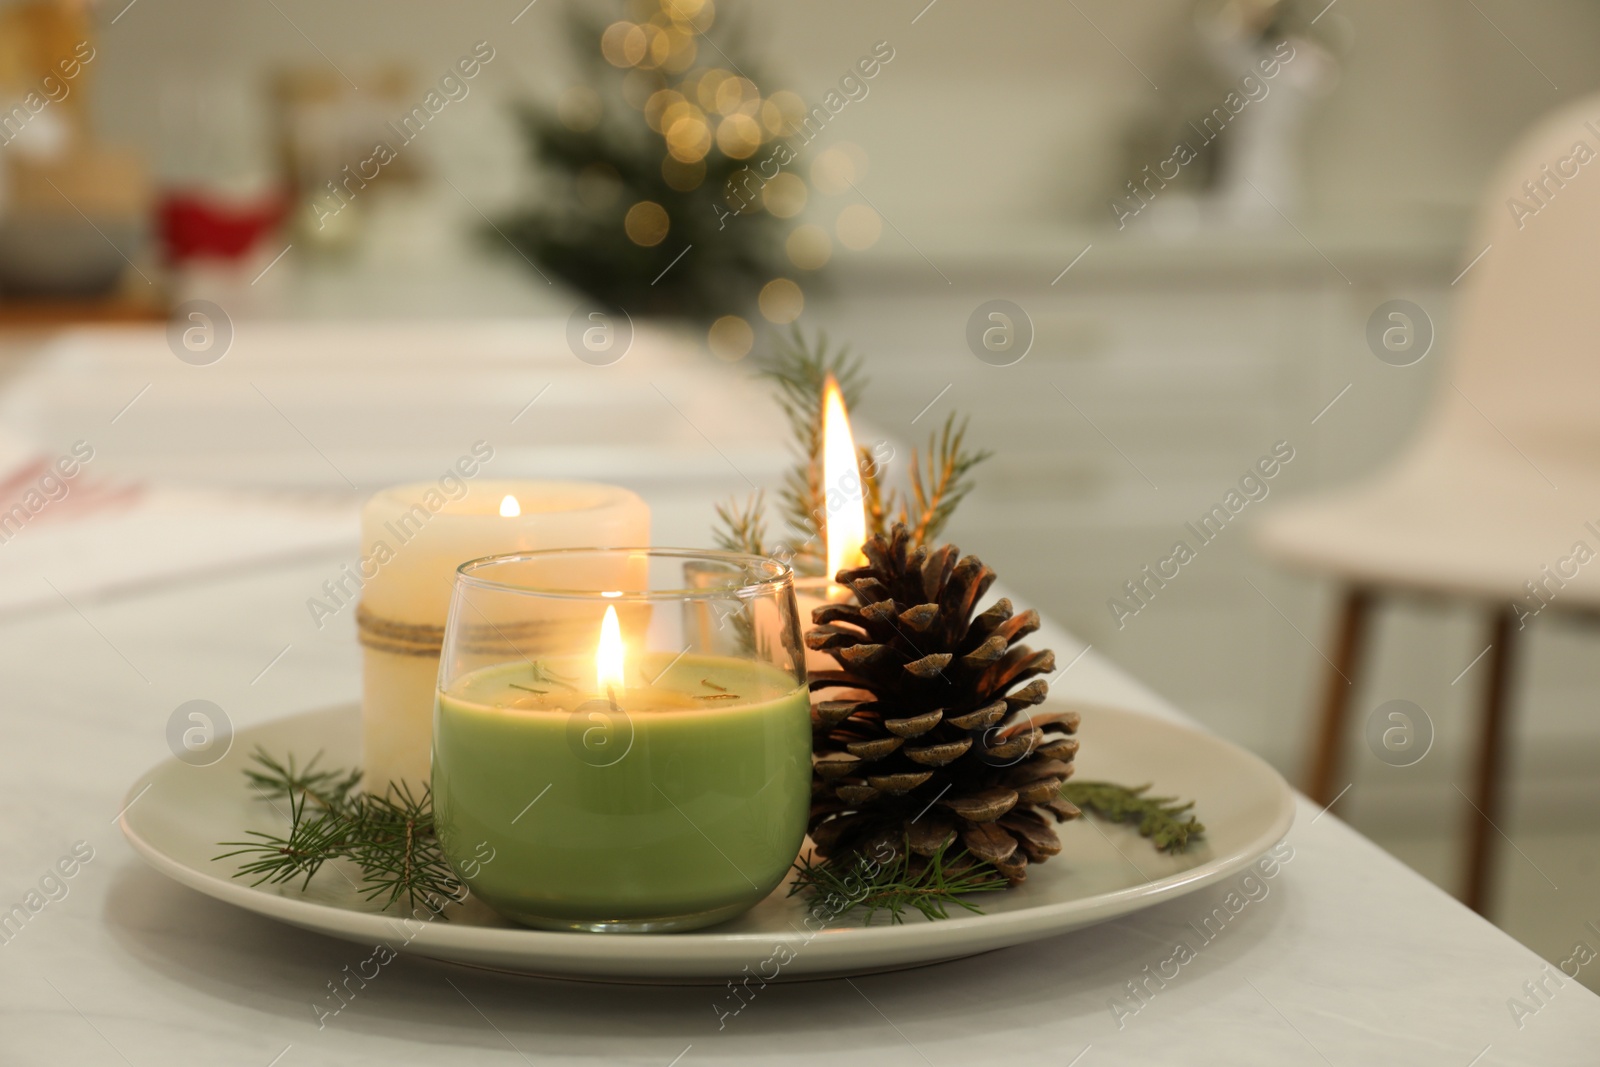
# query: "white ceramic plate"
177 813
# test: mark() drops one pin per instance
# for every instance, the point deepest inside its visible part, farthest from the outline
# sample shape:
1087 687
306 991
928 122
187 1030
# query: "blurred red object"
197 225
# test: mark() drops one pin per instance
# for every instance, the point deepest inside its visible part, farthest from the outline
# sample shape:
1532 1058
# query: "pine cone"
920 743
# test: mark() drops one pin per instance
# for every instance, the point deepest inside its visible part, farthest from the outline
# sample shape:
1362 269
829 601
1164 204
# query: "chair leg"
1485 820
1351 628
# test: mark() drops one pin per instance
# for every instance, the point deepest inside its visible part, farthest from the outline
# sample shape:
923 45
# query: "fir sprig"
1163 820
742 527
934 885
936 493
939 478
280 779
799 368
390 836
931 885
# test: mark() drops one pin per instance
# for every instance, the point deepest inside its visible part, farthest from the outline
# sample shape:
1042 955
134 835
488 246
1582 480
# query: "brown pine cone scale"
923 736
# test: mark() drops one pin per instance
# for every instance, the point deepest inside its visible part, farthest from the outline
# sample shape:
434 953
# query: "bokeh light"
809 247
706 87
624 44
685 50
784 195
859 227
676 109
659 43
836 168
791 111
730 338
689 139
735 95
693 15
647 223
781 301
660 102
738 136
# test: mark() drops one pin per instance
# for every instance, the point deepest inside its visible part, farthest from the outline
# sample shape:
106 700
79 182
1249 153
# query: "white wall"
989 113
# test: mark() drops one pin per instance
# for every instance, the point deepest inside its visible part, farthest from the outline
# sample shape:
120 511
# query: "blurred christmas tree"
660 194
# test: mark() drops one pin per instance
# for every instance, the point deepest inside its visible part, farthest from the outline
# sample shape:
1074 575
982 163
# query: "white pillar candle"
413 537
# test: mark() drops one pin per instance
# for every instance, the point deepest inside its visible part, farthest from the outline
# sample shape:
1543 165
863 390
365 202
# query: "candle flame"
608 654
846 527
509 508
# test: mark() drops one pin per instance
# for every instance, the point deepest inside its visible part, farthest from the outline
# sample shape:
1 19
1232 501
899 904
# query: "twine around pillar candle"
398 638
421 639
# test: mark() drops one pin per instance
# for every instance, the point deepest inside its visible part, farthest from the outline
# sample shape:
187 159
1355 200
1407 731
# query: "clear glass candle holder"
622 737
811 593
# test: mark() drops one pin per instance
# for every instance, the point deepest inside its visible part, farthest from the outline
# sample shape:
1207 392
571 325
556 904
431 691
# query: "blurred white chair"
1497 500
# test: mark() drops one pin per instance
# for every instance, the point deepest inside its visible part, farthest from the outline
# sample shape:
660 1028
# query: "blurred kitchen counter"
1332 251
441 275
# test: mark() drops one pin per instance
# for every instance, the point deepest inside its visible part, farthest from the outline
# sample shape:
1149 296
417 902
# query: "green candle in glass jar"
665 793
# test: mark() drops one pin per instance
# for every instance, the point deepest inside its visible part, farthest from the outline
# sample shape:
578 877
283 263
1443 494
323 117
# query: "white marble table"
1349 959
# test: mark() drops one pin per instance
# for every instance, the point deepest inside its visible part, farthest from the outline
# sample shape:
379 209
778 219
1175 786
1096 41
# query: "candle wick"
528 689
709 684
